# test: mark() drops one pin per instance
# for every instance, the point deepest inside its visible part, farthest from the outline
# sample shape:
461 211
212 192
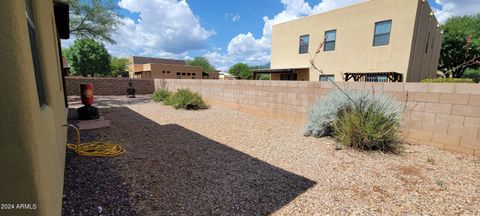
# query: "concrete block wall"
109 86
446 116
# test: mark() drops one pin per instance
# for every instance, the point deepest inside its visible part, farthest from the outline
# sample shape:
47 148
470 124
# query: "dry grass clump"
186 99
161 95
361 120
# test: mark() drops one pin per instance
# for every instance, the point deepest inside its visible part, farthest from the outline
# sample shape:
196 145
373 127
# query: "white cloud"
452 8
256 51
232 16
166 28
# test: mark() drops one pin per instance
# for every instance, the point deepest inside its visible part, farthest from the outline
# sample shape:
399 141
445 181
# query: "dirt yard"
223 162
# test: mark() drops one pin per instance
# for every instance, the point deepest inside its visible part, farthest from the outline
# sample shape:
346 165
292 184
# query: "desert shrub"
186 99
448 80
355 121
368 128
161 95
323 113
472 74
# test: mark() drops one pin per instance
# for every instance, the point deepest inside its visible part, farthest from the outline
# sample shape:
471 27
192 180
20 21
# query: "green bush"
161 95
448 80
472 74
186 99
362 120
368 129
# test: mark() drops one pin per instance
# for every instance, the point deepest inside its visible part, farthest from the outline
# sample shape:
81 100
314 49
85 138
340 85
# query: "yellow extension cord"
95 149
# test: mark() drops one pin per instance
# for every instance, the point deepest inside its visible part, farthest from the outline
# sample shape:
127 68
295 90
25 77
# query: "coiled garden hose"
96 148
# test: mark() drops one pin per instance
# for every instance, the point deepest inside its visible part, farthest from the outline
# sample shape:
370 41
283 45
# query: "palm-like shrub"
161 95
360 120
186 99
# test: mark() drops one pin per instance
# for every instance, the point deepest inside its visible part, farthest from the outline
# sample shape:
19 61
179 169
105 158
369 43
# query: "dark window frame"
304 46
326 41
42 96
376 35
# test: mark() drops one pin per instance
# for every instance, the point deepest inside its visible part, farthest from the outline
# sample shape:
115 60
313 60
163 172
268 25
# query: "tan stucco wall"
32 139
424 65
354 51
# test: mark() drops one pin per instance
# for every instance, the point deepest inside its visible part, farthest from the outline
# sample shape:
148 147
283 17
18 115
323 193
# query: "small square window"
168 71
382 33
304 40
178 74
188 74
193 74
163 71
327 77
183 74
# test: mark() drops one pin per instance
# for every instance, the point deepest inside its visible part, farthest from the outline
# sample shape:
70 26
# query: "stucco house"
159 68
33 116
375 40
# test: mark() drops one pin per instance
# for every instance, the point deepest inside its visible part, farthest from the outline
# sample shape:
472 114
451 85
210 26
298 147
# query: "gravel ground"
223 162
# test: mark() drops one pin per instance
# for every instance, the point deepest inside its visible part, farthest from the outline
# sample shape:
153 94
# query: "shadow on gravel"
173 171
93 185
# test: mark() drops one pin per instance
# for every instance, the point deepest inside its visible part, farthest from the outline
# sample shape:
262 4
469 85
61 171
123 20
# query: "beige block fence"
446 116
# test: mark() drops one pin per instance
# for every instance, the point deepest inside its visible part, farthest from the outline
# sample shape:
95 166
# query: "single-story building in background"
226 76
159 68
376 40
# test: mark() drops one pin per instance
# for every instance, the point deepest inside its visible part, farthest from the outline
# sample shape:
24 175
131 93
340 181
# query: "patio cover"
281 71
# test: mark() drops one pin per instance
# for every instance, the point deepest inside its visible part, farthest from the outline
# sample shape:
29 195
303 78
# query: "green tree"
202 62
95 19
118 66
461 45
241 70
88 57
263 77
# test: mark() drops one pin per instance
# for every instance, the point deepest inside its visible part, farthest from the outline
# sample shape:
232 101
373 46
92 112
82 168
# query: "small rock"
338 147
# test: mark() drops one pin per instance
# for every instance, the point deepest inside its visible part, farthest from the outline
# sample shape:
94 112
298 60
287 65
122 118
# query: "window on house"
377 78
163 71
330 39
382 33
183 74
178 74
304 39
193 74
168 71
35 54
188 74
327 77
